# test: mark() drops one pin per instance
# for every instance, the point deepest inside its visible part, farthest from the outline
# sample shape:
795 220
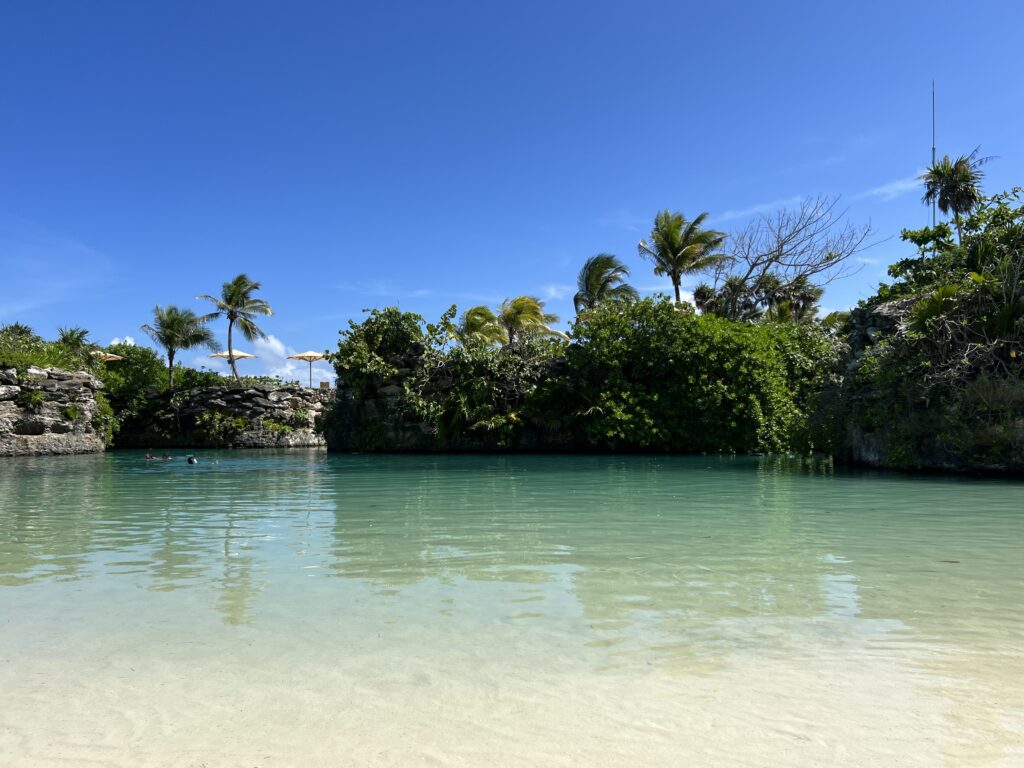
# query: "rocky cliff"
228 416
49 411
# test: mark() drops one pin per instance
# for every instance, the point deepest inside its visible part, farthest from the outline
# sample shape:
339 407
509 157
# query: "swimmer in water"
192 460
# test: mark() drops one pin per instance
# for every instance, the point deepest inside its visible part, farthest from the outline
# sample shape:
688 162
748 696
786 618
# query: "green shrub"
72 413
105 422
273 425
31 399
220 428
648 376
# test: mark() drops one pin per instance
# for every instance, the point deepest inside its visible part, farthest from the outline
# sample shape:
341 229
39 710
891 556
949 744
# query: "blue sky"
351 155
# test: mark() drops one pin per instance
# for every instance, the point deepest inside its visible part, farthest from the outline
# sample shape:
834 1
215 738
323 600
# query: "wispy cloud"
41 268
383 288
866 260
754 210
892 189
623 218
557 291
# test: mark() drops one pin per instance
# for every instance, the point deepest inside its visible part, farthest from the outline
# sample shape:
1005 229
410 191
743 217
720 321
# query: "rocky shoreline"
50 412
230 416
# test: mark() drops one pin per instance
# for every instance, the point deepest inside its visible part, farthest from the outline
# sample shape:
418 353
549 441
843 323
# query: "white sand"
432 710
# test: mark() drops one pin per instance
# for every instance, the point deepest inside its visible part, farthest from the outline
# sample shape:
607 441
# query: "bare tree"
809 245
812 240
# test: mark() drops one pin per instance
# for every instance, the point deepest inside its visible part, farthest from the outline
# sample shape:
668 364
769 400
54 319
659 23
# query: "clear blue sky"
351 155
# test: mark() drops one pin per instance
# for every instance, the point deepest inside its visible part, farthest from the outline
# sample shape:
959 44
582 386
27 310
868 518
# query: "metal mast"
933 146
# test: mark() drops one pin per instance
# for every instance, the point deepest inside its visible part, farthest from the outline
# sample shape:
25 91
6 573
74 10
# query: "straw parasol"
233 353
109 357
309 357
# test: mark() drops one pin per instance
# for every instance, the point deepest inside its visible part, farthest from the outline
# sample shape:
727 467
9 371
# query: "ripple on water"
519 566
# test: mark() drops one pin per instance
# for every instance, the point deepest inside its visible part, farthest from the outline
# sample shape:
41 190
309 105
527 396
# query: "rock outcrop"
229 416
48 412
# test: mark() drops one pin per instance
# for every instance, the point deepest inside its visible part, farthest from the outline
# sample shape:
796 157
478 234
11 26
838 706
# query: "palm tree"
706 298
480 324
602 278
791 302
237 304
175 328
955 185
678 247
76 341
525 316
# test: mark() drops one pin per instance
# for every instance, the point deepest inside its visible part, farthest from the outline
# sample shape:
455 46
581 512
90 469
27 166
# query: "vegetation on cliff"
937 371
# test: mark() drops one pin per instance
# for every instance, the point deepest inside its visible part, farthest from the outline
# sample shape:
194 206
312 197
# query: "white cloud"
754 210
866 260
892 189
273 355
128 341
557 291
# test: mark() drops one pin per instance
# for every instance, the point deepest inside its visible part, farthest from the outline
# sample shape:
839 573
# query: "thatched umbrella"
310 357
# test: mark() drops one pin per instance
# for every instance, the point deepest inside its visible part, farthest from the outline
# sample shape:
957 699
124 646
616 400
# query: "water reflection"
652 559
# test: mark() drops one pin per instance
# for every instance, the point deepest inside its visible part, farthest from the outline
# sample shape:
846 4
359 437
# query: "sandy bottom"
818 710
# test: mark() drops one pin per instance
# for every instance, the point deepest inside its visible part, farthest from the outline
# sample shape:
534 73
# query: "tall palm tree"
678 247
480 324
175 328
602 278
236 303
955 185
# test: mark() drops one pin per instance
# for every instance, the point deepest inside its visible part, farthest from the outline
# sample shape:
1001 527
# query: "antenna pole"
933 146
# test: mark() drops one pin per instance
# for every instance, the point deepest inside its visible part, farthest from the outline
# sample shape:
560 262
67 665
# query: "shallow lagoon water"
299 608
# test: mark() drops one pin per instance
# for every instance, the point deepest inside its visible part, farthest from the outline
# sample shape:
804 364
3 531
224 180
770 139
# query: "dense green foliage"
647 376
127 381
942 381
636 376
21 347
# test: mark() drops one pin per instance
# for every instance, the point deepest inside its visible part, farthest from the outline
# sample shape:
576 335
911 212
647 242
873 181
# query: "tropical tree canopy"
679 247
525 316
174 328
602 278
955 186
480 324
239 307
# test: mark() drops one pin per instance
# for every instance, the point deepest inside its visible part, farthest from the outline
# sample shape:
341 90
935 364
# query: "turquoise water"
133 594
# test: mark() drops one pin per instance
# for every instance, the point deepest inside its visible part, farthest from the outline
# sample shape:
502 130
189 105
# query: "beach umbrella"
233 353
309 357
109 357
